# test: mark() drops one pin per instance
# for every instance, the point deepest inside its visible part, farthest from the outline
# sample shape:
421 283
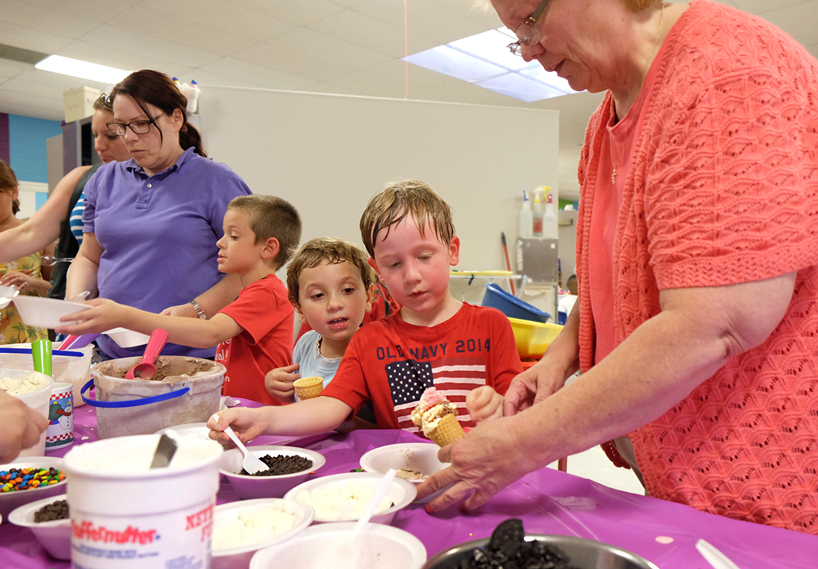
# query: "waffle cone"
308 387
448 430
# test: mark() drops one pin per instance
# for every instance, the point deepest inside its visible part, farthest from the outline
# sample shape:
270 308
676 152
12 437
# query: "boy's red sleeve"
505 361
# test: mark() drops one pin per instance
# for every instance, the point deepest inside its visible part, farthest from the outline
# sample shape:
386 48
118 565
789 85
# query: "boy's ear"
271 248
454 251
371 295
299 312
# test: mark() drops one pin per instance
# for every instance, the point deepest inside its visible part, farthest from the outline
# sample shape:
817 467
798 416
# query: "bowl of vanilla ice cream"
242 528
33 389
343 497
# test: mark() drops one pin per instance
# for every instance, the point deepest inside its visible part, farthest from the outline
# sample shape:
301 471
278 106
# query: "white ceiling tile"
31 38
91 10
30 105
15 85
170 27
372 33
289 61
44 19
49 80
332 50
242 21
298 12
256 75
134 50
9 68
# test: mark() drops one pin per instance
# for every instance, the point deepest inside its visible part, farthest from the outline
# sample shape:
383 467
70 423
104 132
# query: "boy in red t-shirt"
255 332
434 340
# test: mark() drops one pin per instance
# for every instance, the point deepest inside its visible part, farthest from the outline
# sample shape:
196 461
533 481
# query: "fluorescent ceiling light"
82 69
483 60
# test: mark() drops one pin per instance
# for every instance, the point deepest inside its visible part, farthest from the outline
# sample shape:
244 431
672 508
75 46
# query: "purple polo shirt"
159 235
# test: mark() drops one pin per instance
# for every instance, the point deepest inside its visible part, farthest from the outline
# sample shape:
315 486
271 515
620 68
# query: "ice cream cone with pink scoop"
437 418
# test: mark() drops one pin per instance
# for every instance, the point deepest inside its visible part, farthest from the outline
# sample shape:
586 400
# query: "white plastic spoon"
380 493
251 464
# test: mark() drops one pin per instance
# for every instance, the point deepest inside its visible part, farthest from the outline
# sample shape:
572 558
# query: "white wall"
329 154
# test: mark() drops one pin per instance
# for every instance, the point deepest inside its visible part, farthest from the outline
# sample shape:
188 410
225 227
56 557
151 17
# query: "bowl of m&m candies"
28 479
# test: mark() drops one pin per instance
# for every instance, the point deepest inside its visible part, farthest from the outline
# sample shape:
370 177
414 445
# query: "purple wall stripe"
5 146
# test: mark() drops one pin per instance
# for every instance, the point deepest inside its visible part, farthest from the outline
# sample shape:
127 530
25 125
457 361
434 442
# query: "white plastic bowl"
239 557
12 500
54 536
421 457
43 312
402 492
125 338
230 464
195 430
320 547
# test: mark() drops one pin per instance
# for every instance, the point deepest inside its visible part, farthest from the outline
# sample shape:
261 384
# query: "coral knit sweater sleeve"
723 189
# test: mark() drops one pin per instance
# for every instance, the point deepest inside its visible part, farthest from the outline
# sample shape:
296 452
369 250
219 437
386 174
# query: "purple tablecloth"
548 501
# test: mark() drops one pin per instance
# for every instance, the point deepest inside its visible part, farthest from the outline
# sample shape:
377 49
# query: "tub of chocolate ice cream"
183 390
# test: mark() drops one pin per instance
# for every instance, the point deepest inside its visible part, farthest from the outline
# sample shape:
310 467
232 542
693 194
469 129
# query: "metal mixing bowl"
583 553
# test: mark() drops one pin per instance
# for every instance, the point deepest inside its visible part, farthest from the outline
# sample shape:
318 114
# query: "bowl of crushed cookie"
414 462
289 467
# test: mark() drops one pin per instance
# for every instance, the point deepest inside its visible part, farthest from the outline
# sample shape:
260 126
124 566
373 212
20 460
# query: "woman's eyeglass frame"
137 127
526 33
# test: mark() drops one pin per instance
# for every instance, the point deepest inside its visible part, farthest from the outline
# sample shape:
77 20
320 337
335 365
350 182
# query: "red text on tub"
203 519
90 532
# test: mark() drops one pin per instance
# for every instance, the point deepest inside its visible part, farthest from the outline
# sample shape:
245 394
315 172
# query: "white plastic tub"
189 393
74 368
37 400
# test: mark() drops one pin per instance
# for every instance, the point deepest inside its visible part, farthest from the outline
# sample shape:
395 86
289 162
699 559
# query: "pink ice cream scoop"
430 398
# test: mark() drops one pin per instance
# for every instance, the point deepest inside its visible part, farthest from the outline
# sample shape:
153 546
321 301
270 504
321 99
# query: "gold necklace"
645 74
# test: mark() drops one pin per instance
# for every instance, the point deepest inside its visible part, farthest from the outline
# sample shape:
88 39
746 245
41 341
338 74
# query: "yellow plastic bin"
533 338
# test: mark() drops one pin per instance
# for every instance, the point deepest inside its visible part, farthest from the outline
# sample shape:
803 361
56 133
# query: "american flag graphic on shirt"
453 377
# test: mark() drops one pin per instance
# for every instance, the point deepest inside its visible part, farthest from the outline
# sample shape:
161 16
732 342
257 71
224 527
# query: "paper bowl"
45 312
127 338
248 487
401 493
421 457
10 501
54 536
195 430
239 557
320 547
583 553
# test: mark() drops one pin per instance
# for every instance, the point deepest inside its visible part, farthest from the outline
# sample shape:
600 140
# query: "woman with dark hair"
25 272
151 223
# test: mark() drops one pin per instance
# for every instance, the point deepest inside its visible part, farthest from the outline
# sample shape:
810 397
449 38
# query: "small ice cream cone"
308 387
448 430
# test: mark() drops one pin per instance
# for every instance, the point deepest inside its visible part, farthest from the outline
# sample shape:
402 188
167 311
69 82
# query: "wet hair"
332 250
8 182
271 216
148 87
399 199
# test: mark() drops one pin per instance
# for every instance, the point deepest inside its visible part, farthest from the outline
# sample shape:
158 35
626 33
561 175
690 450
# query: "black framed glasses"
138 127
526 33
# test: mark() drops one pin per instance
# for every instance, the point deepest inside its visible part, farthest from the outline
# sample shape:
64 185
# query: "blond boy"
255 332
434 340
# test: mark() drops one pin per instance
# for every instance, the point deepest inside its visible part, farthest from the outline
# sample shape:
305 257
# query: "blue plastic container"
512 306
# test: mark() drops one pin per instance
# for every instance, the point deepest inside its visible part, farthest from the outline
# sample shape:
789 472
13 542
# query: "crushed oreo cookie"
507 549
281 464
54 511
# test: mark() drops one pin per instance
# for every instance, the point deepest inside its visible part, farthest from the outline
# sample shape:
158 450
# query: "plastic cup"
41 352
309 387
60 431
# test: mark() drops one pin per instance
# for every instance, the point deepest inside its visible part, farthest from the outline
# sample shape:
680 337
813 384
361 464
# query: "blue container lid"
512 306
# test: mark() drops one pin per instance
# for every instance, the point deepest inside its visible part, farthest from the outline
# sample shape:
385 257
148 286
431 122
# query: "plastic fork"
250 463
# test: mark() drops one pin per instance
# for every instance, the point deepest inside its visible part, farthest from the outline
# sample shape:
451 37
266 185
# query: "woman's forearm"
219 295
82 275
